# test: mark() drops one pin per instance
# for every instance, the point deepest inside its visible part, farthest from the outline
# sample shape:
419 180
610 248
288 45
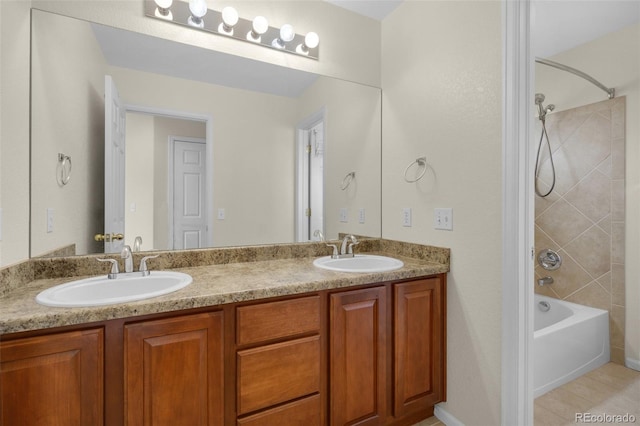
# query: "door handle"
108 237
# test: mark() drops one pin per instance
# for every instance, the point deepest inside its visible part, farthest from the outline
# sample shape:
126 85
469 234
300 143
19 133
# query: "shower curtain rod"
610 92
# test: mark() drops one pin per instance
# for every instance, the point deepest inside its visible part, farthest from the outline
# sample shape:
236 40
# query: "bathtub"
569 340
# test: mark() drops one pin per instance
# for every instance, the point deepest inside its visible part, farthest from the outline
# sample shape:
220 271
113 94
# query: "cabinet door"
53 380
418 345
357 357
174 371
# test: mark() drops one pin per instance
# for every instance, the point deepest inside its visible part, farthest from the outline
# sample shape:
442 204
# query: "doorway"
310 148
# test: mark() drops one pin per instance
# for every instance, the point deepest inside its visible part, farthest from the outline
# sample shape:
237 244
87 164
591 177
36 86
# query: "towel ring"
347 180
64 168
422 162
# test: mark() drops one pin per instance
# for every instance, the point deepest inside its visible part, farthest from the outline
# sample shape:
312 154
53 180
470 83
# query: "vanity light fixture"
163 9
227 22
198 9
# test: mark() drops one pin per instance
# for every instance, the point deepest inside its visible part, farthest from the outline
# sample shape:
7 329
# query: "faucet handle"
114 265
143 263
354 242
335 250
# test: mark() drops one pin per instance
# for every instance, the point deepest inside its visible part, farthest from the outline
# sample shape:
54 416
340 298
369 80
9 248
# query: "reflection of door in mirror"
310 179
188 167
114 168
151 179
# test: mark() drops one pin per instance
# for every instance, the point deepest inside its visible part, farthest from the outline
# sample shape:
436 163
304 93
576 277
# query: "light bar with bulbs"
228 23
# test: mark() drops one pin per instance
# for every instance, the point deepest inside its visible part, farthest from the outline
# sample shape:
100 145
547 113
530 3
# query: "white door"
114 166
189 202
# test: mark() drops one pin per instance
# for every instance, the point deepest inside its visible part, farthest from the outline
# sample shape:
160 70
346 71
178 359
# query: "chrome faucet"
128 259
346 249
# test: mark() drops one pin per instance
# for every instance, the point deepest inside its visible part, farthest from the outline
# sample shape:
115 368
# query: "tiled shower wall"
583 218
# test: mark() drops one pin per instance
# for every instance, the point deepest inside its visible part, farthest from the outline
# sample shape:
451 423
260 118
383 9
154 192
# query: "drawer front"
277 373
307 411
273 320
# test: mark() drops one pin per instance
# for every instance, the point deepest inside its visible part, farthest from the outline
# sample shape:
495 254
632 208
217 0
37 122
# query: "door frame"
517 212
208 120
301 195
171 184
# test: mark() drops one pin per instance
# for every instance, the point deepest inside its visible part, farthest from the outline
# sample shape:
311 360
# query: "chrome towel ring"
347 180
421 162
64 169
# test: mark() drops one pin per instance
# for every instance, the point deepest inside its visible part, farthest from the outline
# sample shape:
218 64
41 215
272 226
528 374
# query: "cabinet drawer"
273 320
305 411
277 373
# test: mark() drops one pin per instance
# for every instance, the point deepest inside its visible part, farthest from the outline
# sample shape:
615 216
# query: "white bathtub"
569 340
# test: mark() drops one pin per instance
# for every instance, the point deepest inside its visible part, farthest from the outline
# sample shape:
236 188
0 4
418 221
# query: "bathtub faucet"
545 280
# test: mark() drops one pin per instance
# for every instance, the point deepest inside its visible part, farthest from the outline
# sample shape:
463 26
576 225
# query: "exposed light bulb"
311 41
162 11
229 20
259 26
198 9
286 35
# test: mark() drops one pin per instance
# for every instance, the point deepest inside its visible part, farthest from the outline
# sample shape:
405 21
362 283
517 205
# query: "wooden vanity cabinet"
358 378
369 355
280 363
174 371
419 346
56 379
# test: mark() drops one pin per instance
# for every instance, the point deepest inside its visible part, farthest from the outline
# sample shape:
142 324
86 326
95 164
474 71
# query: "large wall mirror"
197 148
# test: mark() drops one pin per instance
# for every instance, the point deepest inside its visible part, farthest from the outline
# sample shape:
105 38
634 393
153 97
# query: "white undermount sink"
100 290
359 263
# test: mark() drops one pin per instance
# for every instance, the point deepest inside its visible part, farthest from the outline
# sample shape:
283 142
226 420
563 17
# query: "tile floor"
609 390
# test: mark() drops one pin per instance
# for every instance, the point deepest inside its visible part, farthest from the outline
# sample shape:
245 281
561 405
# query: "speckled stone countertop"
220 276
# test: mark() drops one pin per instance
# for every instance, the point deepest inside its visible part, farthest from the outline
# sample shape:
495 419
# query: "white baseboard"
446 417
632 363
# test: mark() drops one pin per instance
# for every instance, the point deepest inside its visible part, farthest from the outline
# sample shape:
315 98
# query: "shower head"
539 98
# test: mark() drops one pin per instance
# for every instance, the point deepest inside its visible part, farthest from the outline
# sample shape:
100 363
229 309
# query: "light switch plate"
343 215
50 212
406 217
221 214
443 219
361 216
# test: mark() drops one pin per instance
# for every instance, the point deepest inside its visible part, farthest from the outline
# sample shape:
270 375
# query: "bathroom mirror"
282 152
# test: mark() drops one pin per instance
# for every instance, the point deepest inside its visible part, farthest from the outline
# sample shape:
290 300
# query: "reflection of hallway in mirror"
310 198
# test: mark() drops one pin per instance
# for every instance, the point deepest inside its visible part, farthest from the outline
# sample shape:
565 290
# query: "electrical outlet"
50 212
361 216
221 214
406 217
343 215
443 219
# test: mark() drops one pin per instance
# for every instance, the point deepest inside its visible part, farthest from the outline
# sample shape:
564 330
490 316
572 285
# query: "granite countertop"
217 284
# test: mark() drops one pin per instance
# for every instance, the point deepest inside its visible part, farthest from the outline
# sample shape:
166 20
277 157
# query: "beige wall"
614 60
442 91
14 130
